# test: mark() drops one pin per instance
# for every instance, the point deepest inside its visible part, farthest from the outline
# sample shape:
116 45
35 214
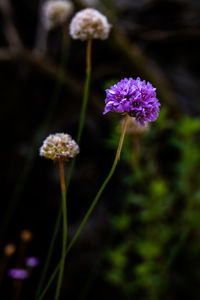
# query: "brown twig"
46 66
41 33
10 30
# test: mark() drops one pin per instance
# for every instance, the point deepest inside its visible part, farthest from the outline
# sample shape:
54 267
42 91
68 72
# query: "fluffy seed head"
56 12
88 24
134 128
59 146
135 97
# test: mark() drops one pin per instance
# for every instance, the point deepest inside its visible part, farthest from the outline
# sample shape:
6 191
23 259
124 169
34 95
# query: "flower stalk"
55 98
119 149
93 204
64 240
86 89
60 147
80 130
94 26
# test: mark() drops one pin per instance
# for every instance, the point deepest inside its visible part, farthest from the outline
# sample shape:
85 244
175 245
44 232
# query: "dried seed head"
88 24
9 249
56 12
26 235
59 146
134 128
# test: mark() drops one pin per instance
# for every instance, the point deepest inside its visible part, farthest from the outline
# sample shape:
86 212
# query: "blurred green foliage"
158 224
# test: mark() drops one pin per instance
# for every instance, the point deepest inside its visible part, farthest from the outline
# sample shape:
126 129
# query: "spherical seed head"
135 97
26 235
88 24
56 12
59 146
134 128
9 249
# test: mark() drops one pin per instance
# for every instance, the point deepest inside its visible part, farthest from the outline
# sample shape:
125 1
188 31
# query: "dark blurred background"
143 239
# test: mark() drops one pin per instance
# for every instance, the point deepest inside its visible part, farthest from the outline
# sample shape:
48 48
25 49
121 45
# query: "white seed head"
59 146
134 128
88 24
56 12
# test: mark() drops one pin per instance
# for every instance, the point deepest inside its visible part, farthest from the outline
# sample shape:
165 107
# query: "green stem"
56 95
88 213
80 129
23 177
64 241
50 251
86 90
55 232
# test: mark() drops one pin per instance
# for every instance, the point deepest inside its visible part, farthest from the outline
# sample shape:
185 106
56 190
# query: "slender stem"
62 177
119 149
88 213
80 129
88 55
86 90
64 241
49 254
25 172
55 97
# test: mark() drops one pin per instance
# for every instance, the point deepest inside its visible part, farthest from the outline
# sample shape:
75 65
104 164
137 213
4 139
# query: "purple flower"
32 261
18 274
135 97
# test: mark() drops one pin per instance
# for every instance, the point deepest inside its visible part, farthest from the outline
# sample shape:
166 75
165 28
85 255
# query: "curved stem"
88 213
80 129
64 241
55 97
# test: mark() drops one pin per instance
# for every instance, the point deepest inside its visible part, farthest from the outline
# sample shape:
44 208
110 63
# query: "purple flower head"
18 274
135 97
32 261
